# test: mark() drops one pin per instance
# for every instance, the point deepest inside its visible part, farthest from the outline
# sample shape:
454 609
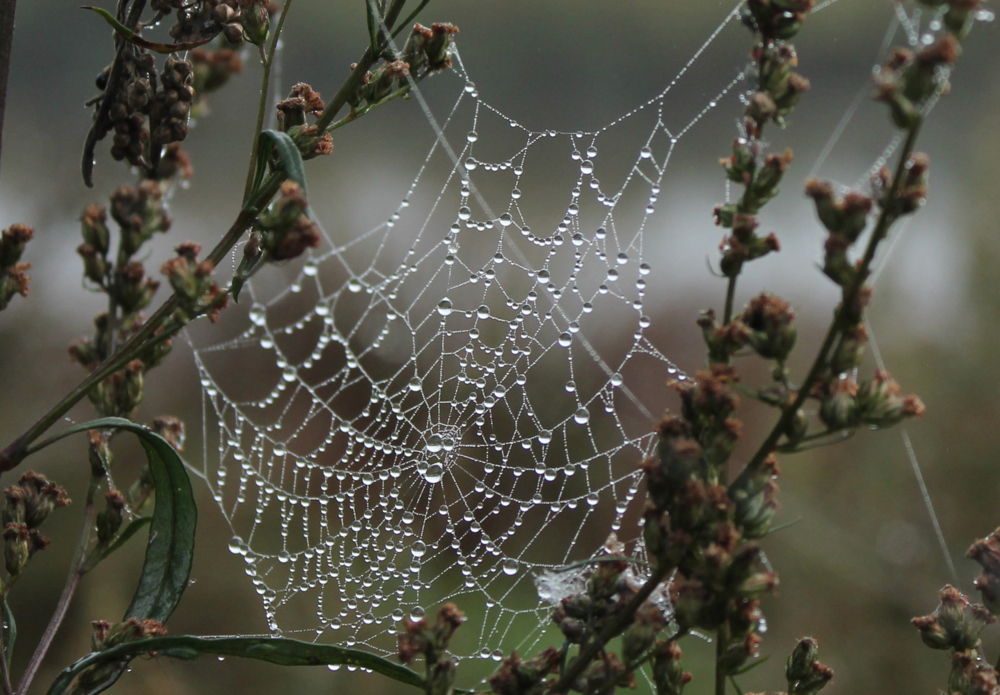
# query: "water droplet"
645 153
592 499
510 566
483 312
545 436
565 340
367 478
472 136
581 416
284 556
644 269
354 285
397 615
586 167
506 220
444 307
516 193
418 549
235 545
471 164
464 213
416 613
258 315
434 473
616 379
288 374
415 383
434 443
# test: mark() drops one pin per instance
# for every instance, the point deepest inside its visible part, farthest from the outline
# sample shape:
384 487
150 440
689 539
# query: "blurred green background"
863 560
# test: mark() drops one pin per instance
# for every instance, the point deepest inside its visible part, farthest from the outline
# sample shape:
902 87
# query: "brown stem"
7 10
69 589
886 218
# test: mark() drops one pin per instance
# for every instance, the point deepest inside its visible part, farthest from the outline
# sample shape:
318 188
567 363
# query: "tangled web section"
451 405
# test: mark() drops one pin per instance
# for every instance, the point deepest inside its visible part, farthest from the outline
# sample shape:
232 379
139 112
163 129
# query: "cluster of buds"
427 50
986 552
777 19
877 402
110 520
27 505
912 190
282 232
770 324
212 69
121 392
806 675
128 105
907 81
139 212
518 677
107 635
192 282
779 90
13 273
668 674
956 625
304 101
431 642
845 219
170 106
959 15
203 20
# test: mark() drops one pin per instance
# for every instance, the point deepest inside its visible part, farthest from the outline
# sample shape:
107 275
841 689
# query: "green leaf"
288 156
133 38
170 549
746 668
277 650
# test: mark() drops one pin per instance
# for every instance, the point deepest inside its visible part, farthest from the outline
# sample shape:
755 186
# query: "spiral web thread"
451 405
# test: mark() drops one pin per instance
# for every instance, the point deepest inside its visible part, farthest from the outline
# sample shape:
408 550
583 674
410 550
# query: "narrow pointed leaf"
277 650
170 549
288 155
134 38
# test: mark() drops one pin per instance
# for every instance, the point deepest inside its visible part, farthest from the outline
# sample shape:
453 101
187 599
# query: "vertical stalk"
7 11
69 590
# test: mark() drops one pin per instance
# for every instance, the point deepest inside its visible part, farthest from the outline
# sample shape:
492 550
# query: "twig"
72 582
721 643
7 11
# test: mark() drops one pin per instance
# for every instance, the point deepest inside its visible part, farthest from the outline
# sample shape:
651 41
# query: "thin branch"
7 11
69 589
264 93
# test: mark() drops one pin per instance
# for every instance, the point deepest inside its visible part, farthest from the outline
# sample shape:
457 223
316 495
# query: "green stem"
814 441
7 10
77 571
886 218
4 656
721 643
356 114
730 297
264 92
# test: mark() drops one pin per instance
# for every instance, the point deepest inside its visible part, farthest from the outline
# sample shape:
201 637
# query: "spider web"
451 405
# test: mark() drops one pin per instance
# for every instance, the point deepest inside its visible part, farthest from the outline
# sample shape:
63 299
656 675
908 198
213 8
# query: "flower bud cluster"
908 80
13 274
668 675
211 70
107 635
956 623
777 19
170 106
959 15
779 90
431 642
26 506
518 677
986 552
427 50
192 282
806 675
203 20
876 402
292 112
285 229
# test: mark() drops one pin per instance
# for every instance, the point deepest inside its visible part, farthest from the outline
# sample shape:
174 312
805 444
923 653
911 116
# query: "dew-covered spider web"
452 404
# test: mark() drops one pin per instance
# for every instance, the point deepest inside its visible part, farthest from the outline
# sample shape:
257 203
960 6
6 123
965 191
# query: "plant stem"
730 296
721 643
886 218
4 656
264 93
7 11
77 571
618 623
